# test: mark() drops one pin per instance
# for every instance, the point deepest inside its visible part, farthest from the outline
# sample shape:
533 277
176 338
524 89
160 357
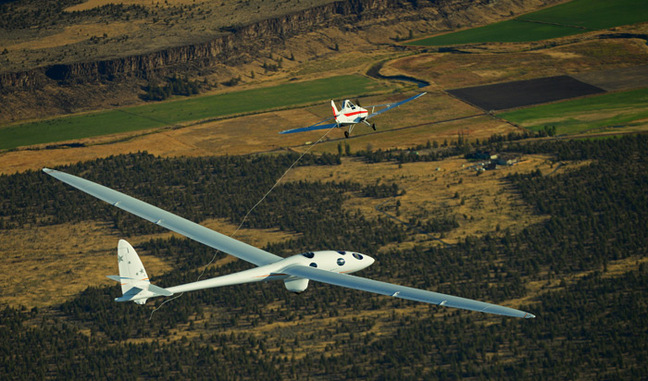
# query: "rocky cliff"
244 42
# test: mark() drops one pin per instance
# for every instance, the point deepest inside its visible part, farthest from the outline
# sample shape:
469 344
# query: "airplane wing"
311 128
316 126
392 105
389 289
169 220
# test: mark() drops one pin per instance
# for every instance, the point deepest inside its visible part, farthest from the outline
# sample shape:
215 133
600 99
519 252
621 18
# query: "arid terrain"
64 64
75 58
334 50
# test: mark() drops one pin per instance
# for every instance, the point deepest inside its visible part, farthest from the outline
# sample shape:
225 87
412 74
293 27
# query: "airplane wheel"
373 126
346 134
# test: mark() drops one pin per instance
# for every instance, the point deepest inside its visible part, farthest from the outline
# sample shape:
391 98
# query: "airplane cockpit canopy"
349 104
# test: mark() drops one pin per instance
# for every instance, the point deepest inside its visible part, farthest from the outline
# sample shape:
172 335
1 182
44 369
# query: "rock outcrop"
247 41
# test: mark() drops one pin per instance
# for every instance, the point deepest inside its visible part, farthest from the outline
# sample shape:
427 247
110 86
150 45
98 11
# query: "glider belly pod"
332 267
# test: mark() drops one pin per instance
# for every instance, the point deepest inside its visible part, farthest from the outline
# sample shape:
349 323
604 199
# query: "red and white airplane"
350 115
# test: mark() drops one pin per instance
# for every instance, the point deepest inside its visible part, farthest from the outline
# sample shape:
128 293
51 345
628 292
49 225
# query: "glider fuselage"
335 261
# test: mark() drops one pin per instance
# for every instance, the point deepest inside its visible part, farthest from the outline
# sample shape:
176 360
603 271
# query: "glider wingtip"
47 170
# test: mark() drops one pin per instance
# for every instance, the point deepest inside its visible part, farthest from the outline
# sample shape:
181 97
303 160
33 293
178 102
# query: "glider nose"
362 261
367 261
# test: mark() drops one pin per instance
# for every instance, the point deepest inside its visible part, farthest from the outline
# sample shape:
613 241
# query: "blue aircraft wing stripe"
393 105
310 128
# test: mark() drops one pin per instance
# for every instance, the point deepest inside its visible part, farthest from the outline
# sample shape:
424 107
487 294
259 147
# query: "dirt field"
619 79
498 63
514 94
71 257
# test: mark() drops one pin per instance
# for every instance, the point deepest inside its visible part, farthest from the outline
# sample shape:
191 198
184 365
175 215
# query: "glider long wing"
389 289
393 105
169 220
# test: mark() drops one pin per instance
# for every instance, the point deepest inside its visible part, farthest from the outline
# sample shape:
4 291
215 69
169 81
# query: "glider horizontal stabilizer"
135 292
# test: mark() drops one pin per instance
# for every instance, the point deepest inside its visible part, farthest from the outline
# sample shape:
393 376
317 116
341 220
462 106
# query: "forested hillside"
582 272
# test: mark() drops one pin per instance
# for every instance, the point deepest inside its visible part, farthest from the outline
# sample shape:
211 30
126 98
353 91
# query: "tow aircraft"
351 114
326 266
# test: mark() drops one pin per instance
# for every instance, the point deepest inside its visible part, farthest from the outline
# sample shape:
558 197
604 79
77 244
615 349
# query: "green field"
505 31
189 109
587 114
593 14
575 17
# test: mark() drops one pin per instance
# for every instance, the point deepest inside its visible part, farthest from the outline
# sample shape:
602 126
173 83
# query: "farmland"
571 18
622 109
184 110
592 14
505 31
507 95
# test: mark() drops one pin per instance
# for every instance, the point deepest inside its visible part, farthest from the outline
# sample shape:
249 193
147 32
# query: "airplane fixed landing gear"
347 133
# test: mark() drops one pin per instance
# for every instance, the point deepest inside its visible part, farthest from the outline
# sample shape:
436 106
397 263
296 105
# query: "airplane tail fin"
335 111
132 276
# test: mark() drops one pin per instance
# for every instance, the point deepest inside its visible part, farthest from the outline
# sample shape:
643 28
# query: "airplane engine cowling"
296 285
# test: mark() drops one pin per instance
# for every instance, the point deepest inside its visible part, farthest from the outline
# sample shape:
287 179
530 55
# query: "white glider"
332 267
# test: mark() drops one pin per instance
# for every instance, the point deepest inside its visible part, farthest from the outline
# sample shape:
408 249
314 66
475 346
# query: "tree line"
590 322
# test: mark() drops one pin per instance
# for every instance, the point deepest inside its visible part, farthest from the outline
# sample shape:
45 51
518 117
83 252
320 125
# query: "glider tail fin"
130 265
335 111
134 281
